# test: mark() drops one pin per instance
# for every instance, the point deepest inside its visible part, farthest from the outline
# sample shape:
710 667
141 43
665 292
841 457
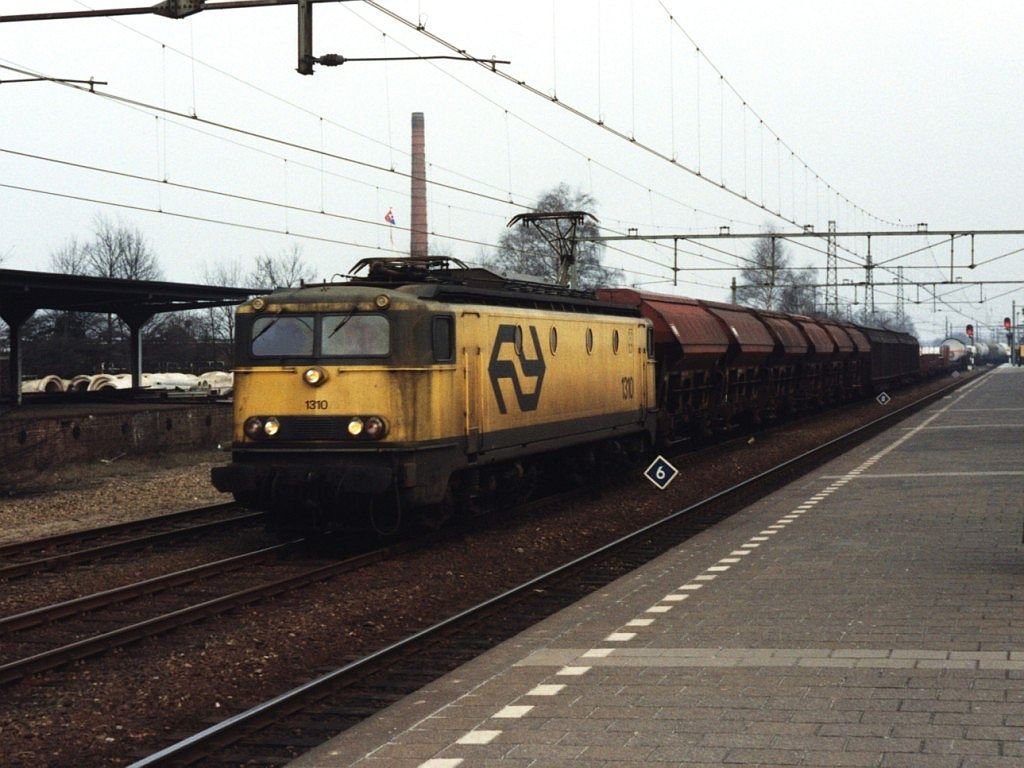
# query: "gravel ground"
88 495
110 710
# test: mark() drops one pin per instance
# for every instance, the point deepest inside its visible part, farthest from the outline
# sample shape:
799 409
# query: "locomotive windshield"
282 335
355 335
348 335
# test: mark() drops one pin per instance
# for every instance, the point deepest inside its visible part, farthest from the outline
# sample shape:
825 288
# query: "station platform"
869 614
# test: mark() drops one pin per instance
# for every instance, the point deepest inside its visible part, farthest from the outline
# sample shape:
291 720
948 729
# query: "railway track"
292 722
53 552
51 636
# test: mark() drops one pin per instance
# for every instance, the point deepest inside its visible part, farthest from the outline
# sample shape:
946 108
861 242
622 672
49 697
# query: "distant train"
953 354
425 387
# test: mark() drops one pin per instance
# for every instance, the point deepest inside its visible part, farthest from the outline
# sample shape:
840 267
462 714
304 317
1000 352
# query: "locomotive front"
333 385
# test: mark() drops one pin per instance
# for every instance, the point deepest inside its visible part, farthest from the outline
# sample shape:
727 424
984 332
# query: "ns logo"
517 367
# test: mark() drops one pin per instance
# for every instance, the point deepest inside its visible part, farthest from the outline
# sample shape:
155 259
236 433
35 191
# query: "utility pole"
869 287
901 314
831 274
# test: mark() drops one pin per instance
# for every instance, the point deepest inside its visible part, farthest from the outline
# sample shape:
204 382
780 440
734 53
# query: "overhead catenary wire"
577 112
190 121
793 168
193 59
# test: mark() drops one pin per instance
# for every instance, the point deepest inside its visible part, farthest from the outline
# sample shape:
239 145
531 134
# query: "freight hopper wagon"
722 367
424 388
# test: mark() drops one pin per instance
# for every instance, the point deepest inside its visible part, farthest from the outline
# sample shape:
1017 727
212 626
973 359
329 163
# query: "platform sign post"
661 473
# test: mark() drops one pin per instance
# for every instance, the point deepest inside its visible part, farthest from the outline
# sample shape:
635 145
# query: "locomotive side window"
615 341
590 341
553 340
355 336
443 339
282 336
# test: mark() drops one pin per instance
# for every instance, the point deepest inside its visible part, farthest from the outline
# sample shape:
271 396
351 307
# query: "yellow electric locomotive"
423 387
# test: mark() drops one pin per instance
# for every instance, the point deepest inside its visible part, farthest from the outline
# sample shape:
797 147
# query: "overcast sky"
686 117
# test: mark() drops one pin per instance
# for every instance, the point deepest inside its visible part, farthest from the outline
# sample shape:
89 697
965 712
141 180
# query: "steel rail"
15 548
103 550
230 730
50 613
81 649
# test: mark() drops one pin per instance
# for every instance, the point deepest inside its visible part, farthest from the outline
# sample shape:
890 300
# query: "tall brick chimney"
418 215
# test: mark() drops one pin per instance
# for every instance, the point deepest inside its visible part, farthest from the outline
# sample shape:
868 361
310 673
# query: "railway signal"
970 331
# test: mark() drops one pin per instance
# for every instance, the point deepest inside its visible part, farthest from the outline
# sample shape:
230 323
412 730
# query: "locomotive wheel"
385 515
433 516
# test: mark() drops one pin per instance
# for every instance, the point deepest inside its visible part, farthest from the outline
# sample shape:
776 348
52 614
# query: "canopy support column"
15 317
135 322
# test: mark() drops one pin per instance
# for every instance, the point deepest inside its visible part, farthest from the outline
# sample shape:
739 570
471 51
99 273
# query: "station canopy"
22 293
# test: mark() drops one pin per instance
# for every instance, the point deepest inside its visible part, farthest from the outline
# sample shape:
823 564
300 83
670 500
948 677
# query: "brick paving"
870 614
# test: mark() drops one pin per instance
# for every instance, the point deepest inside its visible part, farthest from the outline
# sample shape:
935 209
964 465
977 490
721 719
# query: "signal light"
375 427
970 331
1007 323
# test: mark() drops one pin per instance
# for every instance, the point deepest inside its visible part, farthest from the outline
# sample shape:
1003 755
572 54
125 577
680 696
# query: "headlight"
355 426
375 427
253 426
314 376
258 426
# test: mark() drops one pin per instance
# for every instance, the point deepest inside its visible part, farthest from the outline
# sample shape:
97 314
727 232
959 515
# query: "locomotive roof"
443 278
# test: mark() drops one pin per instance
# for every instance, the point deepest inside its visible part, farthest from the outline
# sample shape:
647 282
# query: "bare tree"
116 250
770 281
287 268
70 259
220 321
119 250
523 250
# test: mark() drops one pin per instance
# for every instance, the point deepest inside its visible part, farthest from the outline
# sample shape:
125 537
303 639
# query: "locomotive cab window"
282 336
443 339
355 336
